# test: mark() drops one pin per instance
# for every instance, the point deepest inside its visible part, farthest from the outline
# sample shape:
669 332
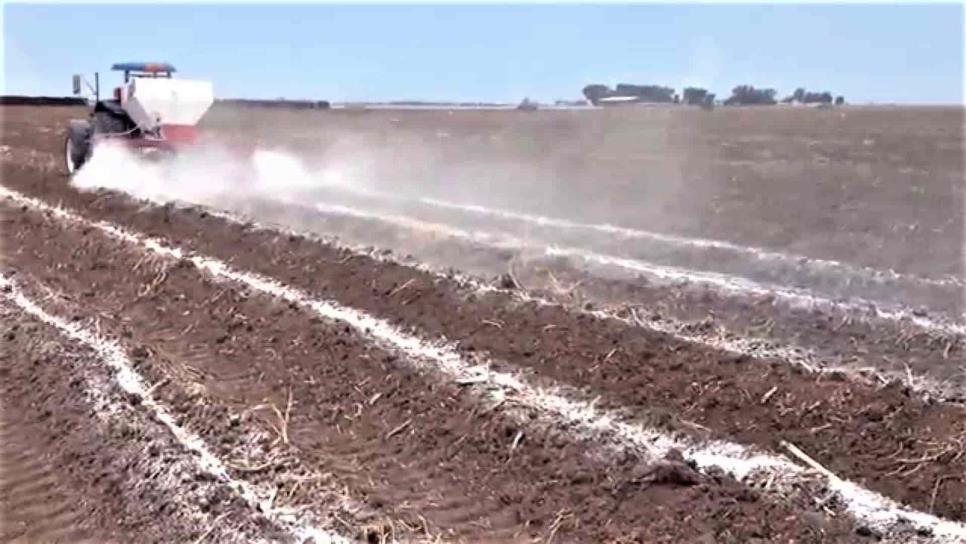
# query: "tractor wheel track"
79 463
31 488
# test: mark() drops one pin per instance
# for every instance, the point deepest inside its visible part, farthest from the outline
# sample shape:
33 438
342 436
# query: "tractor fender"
80 128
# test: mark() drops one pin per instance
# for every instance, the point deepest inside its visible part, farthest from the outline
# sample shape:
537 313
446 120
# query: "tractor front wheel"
77 146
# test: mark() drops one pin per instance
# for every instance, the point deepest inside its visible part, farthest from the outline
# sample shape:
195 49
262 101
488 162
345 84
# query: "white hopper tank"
151 102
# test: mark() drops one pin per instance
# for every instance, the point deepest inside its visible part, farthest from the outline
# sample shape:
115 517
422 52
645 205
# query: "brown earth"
835 336
420 454
402 442
878 186
70 473
861 430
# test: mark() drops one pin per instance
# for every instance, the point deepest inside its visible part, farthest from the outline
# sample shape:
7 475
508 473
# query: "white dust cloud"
201 175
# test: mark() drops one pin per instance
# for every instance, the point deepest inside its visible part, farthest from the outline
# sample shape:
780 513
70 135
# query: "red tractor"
151 111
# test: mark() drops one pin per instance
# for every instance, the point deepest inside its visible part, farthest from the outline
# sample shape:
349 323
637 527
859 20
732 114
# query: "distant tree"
817 98
804 97
839 100
640 93
797 96
645 93
595 92
747 95
527 105
708 102
694 95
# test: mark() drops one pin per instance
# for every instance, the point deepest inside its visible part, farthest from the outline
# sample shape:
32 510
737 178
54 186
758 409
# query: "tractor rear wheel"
106 122
77 146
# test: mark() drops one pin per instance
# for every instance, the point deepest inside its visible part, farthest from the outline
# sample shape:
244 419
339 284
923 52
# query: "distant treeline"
742 95
805 97
17 100
429 103
598 94
279 103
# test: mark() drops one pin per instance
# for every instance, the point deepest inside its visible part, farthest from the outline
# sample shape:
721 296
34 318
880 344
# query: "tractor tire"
77 145
106 122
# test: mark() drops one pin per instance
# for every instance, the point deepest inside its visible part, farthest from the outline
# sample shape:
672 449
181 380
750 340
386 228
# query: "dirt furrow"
883 437
80 463
357 213
647 370
30 489
843 334
403 442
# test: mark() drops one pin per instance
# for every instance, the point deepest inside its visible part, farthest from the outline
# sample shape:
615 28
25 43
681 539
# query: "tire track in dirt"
872 434
33 504
94 468
209 468
394 420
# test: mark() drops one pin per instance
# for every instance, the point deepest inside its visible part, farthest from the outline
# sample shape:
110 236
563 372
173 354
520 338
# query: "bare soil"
419 457
879 186
450 465
72 473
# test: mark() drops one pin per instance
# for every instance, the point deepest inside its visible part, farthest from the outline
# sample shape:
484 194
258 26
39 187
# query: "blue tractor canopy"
152 69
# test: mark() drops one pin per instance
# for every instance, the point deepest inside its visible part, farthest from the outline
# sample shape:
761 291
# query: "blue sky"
881 53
